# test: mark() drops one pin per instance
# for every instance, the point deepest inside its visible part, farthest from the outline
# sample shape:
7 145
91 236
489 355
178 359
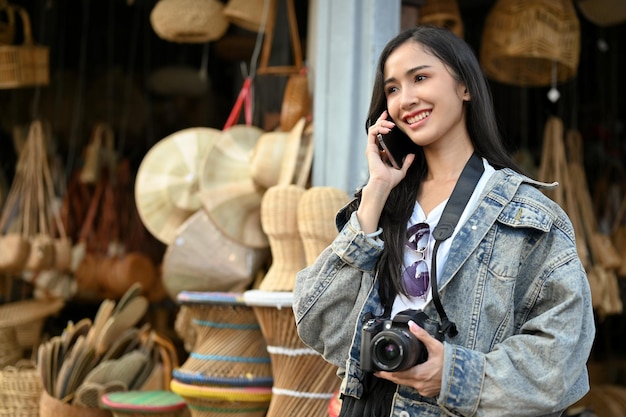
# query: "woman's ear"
466 95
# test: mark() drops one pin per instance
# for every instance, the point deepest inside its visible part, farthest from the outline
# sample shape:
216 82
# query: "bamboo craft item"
316 218
531 43
34 237
209 401
264 66
304 382
141 403
229 348
279 210
564 165
20 390
22 65
442 13
189 21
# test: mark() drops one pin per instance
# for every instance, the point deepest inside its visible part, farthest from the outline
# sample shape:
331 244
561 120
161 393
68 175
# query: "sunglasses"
416 277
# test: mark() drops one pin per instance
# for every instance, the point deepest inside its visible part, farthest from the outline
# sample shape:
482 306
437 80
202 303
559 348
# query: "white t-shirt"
403 302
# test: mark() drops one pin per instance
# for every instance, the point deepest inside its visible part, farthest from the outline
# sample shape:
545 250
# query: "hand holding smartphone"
386 153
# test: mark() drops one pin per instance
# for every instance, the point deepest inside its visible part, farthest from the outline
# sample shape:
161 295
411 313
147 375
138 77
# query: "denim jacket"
513 284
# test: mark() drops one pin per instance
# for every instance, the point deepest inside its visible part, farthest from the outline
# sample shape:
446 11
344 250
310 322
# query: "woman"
511 297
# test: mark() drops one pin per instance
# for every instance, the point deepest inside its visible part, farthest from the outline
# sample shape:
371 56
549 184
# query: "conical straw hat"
201 258
167 184
227 191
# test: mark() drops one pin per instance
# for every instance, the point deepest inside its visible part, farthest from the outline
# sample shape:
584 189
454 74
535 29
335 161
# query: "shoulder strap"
461 194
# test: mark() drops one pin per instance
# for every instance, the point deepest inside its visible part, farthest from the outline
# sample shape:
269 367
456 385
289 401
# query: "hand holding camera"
388 345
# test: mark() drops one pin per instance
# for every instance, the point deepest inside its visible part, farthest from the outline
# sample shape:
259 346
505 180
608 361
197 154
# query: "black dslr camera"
389 345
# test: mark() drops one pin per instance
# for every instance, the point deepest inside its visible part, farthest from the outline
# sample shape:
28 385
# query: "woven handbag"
23 65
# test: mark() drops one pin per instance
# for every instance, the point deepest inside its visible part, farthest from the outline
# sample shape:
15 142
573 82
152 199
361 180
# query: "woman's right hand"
382 176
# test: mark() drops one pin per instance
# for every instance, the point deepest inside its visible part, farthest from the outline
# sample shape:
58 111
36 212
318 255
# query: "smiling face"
424 99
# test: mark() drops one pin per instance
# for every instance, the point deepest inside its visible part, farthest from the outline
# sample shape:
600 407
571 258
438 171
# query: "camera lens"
394 351
387 350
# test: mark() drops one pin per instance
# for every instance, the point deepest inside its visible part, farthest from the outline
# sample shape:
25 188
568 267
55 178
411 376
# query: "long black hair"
482 127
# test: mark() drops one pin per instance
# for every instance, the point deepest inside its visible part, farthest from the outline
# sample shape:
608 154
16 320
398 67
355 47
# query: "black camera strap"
461 194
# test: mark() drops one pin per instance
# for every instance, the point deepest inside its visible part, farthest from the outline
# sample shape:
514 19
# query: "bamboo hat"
283 157
227 191
189 21
167 183
603 12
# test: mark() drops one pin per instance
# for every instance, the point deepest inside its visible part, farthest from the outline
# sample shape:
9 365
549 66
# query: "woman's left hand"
424 377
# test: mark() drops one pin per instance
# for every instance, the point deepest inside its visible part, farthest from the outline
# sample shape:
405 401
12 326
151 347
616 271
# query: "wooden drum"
304 382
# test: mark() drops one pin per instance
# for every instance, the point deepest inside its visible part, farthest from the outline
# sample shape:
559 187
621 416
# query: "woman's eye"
391 90
420 78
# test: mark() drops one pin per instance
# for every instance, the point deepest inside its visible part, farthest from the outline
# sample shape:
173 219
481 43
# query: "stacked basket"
300 224
228 371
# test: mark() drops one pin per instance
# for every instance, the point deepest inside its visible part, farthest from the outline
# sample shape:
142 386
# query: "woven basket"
189 21
230 348
442 13
27 64
27 318
218 402
20 390
10 350
158 403
294 391
522 40
53 407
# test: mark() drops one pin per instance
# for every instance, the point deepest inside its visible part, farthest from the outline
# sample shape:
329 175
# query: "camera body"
389 345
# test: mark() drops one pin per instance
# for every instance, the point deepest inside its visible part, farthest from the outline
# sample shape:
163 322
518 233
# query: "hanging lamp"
531 43
441 13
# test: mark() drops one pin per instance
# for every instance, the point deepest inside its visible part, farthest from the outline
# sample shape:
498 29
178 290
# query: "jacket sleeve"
330 293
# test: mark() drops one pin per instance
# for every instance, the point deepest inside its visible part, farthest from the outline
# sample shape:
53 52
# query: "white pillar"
346 37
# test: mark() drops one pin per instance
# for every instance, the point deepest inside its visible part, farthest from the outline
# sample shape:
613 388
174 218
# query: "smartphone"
393 151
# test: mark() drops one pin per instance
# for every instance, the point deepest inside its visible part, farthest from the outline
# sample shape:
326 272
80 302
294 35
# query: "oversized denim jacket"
513 284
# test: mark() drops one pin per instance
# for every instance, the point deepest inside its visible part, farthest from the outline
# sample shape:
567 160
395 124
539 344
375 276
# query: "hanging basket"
24 65
442 13
522 40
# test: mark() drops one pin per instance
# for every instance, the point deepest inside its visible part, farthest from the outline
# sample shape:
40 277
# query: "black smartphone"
393 150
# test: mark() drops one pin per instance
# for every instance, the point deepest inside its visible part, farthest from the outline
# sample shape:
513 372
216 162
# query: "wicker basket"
27 64
230 349
442 13
522 40
294 392
20 390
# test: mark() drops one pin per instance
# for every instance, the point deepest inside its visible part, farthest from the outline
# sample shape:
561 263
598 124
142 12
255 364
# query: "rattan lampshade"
523 41
167 184
441 13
